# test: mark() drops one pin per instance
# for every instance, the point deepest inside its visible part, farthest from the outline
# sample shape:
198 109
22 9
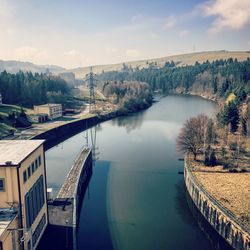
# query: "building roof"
15 151
7 215
49 105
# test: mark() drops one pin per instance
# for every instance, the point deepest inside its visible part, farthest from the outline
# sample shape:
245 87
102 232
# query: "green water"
136 199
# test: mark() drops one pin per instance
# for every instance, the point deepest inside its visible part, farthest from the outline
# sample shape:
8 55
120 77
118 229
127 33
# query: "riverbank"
217 197
135 178
63 130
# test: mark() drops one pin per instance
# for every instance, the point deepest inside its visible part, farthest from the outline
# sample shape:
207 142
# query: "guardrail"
225 211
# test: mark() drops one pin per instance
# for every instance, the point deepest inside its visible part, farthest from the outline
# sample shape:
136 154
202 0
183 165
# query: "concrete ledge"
221 219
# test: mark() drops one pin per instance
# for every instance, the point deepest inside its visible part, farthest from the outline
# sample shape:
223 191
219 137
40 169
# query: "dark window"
27 210
39 161
29 173
32 214
34 201
33 167
38 195
24 176
2 187
36 163
39 229
41 190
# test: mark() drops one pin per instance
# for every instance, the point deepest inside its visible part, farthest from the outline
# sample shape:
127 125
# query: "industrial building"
51 109
23 202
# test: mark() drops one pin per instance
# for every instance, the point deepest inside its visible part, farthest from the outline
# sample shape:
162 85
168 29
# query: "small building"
51 109
41 118
23 201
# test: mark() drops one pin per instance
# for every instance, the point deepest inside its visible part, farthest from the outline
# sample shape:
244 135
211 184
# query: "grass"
83 93
5 129
5 109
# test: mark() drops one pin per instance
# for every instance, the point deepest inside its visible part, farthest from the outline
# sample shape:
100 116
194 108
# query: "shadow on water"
93 231
214 238
192 216
181 205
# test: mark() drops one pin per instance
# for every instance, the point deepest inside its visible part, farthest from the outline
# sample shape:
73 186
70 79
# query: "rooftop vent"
8 162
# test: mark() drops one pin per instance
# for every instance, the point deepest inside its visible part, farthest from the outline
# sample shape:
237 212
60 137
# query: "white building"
52 110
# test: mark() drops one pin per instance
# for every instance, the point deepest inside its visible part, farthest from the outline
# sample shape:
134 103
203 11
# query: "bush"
233 146
234 170
210 158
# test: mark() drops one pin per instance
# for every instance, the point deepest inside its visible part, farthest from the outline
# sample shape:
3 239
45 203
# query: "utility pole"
90 78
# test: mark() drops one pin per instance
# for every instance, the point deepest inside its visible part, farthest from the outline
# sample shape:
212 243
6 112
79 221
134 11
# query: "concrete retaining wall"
222 220
65 131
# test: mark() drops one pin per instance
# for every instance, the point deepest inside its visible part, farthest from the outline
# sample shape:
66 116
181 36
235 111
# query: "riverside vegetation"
227 81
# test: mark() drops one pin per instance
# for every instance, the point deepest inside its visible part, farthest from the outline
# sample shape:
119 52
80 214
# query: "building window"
29 172
36 163
24 176
2 185
39 161
34 201
33 167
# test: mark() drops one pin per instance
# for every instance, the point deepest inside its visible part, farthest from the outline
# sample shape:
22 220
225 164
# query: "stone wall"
222 220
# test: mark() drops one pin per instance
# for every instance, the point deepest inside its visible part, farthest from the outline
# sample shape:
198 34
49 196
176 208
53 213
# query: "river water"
136 199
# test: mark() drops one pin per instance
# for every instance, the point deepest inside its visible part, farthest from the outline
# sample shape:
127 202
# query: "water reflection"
130 123
94 227
214 238
135 200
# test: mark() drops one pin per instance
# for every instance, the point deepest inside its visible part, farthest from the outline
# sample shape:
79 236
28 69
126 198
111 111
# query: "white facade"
52 110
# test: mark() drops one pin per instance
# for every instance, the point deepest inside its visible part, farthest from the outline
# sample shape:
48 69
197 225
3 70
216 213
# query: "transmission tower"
91 84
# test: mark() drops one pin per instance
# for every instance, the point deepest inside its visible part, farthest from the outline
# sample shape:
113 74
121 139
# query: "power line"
91 84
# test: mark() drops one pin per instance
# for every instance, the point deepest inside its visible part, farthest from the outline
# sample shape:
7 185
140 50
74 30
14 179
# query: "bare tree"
192 135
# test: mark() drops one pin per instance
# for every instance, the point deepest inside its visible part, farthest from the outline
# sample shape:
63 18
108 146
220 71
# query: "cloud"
170 22
183 33
131 53
31 54
72 53
230 14
111 50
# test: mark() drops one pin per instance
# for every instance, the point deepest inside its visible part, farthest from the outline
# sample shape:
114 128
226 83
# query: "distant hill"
184 59
80 73
15 66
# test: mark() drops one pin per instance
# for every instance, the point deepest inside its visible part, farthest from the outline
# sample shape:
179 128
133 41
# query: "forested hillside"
219 78
28 89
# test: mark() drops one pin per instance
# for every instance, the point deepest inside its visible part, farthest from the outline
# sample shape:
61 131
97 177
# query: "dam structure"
236 234
64 210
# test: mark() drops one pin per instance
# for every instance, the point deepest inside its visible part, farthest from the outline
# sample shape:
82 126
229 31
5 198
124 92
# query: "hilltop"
80 73
15 66
181 60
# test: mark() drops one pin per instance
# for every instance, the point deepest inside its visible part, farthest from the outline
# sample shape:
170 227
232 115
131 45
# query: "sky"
76 33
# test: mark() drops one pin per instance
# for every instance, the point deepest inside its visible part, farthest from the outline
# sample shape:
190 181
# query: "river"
136 199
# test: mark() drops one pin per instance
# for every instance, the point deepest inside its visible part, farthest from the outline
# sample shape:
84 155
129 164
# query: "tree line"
219 77
130 96
28 89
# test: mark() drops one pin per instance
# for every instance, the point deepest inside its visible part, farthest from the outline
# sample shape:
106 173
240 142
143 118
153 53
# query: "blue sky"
74 33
